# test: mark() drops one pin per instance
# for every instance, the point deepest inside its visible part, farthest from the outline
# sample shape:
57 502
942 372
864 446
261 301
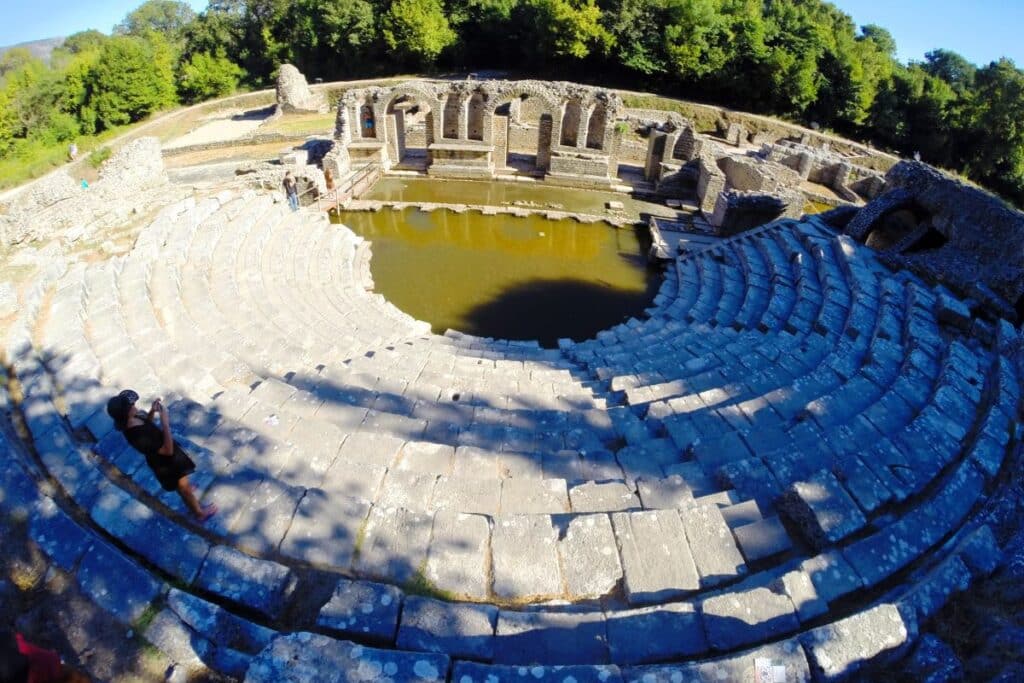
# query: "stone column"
464 117
655 153
499 138
399 136
556 127
670 144
390 154
583 127
612 144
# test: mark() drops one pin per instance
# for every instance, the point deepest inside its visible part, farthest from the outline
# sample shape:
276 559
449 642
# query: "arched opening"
596 126
891 229
414 131
1019 307
367 121
475 127
571 123
450 120
932 239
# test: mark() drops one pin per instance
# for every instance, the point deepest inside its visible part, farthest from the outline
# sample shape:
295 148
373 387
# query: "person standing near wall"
291 190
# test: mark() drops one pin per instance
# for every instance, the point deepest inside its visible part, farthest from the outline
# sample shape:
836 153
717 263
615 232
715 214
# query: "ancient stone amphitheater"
777 473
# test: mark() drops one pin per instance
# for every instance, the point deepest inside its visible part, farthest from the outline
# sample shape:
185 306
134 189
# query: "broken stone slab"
456 629
393 544
551 637
833 577
653 634
324 529
664 493
218 624
822 509
782 661
837 650
302 657
717 557
590 558
533 496
172 636
115 583
657 564
763 538
260 585
607 497
525 560
362 609
459 555
803 595
741 618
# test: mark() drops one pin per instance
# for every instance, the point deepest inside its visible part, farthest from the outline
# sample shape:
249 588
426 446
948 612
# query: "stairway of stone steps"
484 505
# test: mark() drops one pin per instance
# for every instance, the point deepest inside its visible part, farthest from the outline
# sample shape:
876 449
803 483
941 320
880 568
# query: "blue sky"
980 30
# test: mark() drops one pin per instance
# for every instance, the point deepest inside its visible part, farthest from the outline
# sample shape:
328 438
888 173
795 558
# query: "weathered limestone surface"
301 657
293 93
837 650
362 609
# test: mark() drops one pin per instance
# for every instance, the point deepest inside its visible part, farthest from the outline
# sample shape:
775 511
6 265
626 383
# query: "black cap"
117 406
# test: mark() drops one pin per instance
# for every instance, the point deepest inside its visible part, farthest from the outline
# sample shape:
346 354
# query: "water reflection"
505 276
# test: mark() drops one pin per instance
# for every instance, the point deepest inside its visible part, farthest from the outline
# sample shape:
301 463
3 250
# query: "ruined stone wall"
710 182
736 211
523 139
61 206
984 238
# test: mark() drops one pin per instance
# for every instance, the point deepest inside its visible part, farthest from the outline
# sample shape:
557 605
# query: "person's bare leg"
189 496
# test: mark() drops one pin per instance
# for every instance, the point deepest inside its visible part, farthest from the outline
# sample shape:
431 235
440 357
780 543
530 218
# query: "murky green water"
507 277
494 193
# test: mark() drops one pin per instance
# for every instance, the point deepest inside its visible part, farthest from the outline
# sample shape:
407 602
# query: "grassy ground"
292 124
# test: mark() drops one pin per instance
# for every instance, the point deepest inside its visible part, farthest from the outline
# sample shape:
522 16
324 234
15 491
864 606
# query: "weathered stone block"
260 585
363 610
456 629
550 637
652 634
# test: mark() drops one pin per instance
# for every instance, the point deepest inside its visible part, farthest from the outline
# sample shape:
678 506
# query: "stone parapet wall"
710 182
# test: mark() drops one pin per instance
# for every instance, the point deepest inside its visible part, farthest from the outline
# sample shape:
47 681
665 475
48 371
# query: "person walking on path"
291 189
169 462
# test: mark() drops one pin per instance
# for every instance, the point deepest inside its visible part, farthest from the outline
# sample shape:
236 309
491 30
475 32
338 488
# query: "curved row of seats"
697 483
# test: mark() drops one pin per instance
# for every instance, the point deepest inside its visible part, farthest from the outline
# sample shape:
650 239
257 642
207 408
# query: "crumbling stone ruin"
802 451
949 231
294 95
60 206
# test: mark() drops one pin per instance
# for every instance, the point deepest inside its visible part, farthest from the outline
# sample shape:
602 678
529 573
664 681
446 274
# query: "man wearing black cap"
169 462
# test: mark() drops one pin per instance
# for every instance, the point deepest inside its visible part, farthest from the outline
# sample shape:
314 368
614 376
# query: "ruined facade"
560 131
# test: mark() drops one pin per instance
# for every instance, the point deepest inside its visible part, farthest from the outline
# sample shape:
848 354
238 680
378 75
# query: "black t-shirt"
147 439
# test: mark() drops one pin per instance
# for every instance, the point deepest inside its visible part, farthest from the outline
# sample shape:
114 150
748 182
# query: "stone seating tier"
806 426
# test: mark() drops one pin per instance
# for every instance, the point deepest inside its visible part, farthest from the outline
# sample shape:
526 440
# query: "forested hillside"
799 59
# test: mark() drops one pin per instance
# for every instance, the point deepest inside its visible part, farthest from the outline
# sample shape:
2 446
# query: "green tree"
570 28
334 36
952 68
418 30
204 76
128 82
83 41
993 152
167 17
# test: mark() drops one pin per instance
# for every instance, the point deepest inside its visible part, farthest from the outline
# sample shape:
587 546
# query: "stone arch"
410 111
597 126
898 227
524 142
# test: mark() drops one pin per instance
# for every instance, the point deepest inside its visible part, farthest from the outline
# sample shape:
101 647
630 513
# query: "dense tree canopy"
801 59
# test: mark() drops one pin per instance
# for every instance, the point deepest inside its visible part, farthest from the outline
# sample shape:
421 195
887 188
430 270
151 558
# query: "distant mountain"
38 48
